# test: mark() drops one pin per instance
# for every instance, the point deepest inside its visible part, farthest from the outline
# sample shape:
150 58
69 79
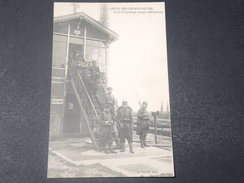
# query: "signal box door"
72 121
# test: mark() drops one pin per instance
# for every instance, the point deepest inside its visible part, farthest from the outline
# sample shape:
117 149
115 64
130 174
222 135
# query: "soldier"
94 76
125 125
77 57
110 101
106 131
74 61
143 124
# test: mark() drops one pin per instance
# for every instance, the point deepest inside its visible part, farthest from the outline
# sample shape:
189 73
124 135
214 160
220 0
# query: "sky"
138 59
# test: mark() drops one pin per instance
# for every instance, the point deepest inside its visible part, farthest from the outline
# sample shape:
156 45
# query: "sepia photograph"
110 104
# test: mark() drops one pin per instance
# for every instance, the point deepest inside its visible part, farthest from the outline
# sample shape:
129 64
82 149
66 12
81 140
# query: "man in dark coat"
125 125
94 76
143 124
74 62
110 101
106 126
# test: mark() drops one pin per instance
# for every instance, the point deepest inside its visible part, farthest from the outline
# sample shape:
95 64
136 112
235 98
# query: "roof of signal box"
113 35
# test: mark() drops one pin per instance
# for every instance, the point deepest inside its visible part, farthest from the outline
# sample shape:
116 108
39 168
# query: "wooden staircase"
91 105
87 120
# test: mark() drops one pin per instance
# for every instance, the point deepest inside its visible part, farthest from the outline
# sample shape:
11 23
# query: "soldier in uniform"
73 63
125 125
110 101
143 124
77 57
94 76
106 131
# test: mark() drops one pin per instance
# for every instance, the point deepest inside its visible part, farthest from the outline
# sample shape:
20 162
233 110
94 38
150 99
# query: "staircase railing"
93 138
87 94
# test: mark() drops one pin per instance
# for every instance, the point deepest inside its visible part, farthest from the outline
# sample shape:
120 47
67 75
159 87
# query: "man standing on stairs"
143 124
110 101
125 125
74 61
94 76
106 131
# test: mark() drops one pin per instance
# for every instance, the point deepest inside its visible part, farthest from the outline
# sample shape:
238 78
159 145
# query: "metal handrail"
93 107
84 114
93 138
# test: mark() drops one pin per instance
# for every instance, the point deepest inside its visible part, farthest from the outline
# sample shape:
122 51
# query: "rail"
83 84
84 113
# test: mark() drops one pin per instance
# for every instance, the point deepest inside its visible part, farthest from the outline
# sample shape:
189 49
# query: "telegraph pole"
104 15
155 115
75 6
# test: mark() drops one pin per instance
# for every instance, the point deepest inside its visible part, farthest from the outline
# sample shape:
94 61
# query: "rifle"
138 100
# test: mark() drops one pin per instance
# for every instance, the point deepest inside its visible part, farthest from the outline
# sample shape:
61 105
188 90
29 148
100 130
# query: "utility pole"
168 111
104 15
162 108
75 6
155 115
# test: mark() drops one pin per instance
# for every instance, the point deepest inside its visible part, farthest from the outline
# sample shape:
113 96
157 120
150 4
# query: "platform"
149 161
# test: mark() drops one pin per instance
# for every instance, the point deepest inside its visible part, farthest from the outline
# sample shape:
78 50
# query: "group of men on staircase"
89 71
113 124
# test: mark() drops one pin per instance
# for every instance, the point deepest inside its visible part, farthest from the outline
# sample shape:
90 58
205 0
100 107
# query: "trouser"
106 136
143 135
125 133
111 108
115 137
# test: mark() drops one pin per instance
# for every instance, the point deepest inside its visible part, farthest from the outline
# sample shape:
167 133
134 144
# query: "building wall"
92 32
57 108
95 50
58 85
59 51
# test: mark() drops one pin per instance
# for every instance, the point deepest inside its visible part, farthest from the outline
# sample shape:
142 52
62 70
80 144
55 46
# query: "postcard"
110 106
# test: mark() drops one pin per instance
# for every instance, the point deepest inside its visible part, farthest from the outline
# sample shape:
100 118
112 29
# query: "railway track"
163 126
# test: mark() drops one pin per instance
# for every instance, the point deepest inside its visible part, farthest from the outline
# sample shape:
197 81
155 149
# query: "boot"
131 147
101 148
106 151
111 149
118 144
122 147
144 141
